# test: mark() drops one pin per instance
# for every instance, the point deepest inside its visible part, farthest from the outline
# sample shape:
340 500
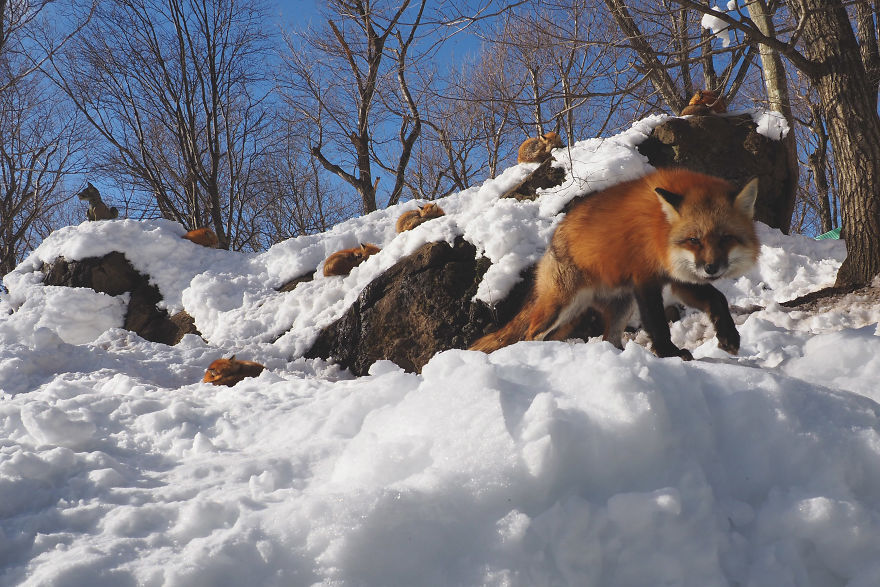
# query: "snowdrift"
541 464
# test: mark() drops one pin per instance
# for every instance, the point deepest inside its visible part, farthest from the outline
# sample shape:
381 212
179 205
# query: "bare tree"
344 76
538 70
177 89
296 198
41 139
26 39
818 165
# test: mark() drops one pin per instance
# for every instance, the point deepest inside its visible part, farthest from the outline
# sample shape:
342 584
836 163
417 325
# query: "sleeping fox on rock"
230 371
342 262
627 242
537 149
412 218
705 102
203 236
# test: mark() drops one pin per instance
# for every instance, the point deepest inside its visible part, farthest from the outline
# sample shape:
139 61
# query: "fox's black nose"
711 268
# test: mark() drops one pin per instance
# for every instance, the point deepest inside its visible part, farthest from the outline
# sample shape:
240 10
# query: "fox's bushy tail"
514 331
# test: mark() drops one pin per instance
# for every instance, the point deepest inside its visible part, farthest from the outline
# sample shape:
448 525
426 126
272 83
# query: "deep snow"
544 463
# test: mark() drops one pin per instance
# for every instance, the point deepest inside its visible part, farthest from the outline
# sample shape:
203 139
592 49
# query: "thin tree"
177 90
41 142
41 139
340 76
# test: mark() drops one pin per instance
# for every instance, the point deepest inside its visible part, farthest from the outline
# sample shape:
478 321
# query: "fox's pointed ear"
670 202
232 358
745 199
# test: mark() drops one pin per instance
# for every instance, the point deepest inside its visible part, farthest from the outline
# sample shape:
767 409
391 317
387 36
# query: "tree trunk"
818 162
848 103
779 100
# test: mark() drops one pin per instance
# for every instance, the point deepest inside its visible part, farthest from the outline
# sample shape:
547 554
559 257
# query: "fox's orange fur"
230 371
672 226
342 262
203 236
537 149
412 218
705 102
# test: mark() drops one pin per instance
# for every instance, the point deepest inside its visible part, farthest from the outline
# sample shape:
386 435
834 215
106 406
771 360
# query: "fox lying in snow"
537 149
230 371
412 218
342 262
203 236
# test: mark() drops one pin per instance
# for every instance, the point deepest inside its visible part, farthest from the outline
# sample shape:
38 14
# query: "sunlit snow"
544 463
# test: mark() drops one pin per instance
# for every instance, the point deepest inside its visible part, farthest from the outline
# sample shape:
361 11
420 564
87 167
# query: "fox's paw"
673 351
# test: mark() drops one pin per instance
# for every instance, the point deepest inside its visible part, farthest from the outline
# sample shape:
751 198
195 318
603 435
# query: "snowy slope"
542 464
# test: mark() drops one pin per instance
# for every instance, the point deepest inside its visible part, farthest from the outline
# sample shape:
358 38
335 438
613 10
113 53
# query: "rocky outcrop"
544 176
422 305
728 147
417 308
113 275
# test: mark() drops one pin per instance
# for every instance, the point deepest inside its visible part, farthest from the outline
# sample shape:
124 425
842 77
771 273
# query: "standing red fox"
672 226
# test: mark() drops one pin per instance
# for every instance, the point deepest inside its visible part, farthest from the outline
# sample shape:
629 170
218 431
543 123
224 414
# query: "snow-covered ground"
544 463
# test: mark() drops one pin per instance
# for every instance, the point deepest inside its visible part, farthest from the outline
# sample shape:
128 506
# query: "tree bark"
780 101
849 107
818 162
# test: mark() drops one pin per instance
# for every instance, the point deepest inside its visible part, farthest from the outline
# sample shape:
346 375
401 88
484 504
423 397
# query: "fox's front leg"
711 301
649 298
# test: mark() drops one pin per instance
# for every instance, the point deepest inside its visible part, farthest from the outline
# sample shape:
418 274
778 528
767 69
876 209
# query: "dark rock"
544 176
291 284
728 147
420 306
113 275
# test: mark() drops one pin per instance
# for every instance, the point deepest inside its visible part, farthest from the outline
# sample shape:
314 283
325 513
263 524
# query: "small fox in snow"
230 371
412 218
203 236
537 149
342 262
705 102
98 210
672 226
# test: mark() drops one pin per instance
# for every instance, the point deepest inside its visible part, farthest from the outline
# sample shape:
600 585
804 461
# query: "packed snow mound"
544 463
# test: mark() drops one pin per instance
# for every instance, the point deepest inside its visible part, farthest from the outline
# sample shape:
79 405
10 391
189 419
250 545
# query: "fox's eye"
693 241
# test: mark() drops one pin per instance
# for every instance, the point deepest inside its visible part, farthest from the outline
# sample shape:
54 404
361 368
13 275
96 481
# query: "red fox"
412 218
230 371
705 102
672 226
342 262
203 236
537 149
